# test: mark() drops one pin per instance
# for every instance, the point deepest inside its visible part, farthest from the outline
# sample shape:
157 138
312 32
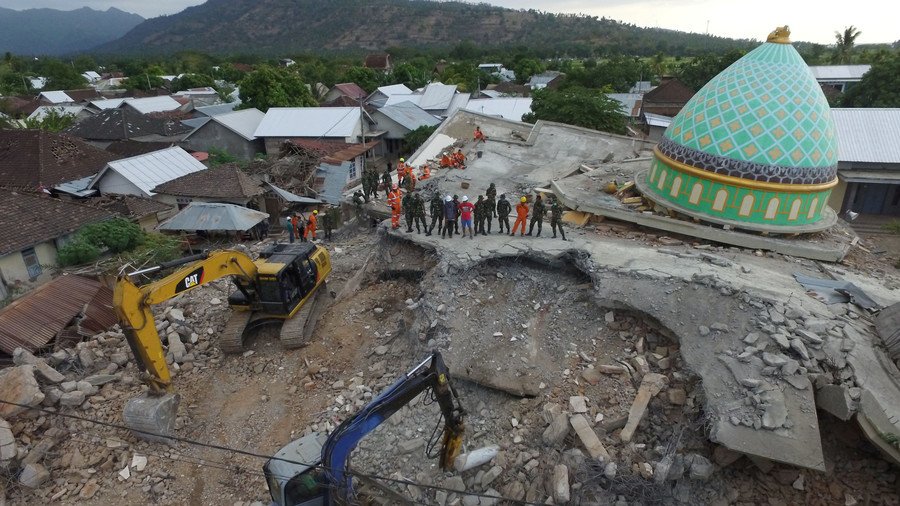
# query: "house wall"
273 144
149 223
213 135
115 183
394 130
14 270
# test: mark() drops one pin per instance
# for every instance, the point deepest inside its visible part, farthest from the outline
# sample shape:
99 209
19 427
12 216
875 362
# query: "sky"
813 21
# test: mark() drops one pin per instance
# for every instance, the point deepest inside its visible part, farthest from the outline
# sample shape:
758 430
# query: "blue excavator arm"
431 373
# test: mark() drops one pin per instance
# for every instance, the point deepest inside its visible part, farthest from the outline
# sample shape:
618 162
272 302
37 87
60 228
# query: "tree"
696 73
417 137
844 42
367 79
61 76
268 87
188 81
577 106
52 121
525 68
879 87
84 62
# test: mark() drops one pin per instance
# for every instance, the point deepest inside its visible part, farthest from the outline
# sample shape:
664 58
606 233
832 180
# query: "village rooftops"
243 122
139 175
221 182
29 158
27 219
314 122
124 124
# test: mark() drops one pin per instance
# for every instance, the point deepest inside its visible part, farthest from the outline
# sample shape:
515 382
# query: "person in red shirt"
466 209
521 216
479 135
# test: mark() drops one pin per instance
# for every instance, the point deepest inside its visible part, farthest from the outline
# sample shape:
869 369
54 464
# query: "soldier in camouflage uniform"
386 179
556 213
407 204
366 185
503 210
373 182
419 213
481 214
537 215
437 213
491 195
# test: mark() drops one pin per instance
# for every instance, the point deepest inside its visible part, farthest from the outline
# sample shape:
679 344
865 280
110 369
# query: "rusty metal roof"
32 321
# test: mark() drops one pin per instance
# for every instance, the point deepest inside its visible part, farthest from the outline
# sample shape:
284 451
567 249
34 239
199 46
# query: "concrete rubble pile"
65 459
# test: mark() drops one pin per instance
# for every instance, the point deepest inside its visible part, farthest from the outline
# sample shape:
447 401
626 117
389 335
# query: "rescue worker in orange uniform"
521 216
393 200
410 180
479 135
426 172
459 159
446 161
311 226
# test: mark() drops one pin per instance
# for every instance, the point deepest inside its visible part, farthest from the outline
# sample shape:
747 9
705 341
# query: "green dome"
763 118
754 148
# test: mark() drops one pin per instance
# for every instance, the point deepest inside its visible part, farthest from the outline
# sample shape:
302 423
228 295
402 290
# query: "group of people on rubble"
454 215
304 229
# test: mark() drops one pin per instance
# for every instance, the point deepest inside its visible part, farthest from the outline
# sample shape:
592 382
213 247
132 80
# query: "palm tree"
845 42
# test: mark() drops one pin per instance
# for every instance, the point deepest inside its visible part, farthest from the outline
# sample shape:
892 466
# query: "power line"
179 439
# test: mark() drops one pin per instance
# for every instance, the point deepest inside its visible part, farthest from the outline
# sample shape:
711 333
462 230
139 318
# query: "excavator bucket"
152 418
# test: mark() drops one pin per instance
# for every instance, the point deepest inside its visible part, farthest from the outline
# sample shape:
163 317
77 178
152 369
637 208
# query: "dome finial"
780 35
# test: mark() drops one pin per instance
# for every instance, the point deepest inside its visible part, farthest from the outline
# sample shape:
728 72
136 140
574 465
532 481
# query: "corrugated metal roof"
243 123
32 321
56 97
290 197
195 123
437 96
409 115
395 89
511 108
334 179
109 103
148 105
839 72
153 169
309 122
658 120
61 110
214 216
78 187
413 98
460 100
629 102
215 110
868 135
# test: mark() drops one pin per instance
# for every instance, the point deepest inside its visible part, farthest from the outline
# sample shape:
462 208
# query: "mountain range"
54 32
279 27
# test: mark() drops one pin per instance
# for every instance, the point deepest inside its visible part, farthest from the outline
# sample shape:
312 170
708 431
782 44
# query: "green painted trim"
735 203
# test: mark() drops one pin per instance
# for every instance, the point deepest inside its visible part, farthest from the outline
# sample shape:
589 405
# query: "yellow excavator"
283 284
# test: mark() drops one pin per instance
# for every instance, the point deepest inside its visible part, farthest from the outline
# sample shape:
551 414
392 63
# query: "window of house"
31 263
352 174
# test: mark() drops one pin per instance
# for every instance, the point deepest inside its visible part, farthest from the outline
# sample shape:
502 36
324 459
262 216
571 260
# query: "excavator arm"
132 305
431 373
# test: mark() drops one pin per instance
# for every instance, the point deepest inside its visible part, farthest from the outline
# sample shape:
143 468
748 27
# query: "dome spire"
780 35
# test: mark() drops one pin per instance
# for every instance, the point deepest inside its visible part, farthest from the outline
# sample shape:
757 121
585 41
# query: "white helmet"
465 198
448 198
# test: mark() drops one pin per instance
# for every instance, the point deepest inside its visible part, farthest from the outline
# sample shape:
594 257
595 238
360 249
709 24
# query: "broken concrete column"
835 399
475 458
18 386
561 493
589 438
651 385
22 356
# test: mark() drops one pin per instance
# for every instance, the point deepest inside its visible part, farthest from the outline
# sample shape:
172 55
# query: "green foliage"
76 252
268 87
844 42
411 75
219 157
60 76
52 121
417 137
619 73
577 106
83 63
188 81
526 67
879 87
367 79
155 248
117 234
701 69
892 227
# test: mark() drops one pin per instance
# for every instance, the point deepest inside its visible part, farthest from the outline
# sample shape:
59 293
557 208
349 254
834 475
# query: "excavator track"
295 332
232 338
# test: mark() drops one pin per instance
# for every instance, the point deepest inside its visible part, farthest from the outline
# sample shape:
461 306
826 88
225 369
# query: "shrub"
78 251
156 248
117 234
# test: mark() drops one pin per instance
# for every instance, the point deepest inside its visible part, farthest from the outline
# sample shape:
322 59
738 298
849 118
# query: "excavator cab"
287 274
